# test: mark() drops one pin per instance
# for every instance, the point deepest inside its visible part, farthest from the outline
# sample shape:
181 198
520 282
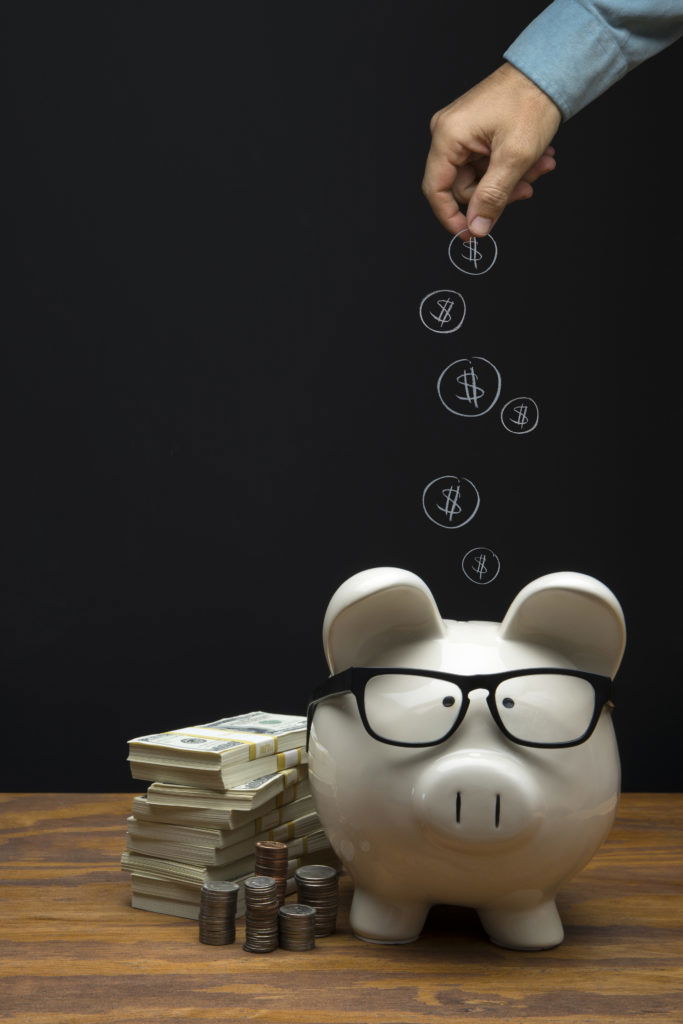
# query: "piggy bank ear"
373 610
574 614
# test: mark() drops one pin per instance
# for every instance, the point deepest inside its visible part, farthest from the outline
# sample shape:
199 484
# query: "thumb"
495 189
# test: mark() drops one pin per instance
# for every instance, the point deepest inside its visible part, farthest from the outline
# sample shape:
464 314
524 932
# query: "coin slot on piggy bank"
463 762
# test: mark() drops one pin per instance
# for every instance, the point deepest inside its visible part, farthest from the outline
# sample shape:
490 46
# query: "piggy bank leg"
377 920
537 927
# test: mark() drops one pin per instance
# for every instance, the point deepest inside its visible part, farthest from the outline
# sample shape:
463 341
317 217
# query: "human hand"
488 146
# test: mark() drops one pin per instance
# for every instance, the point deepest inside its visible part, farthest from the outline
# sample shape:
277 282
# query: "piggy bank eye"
546 708
411 709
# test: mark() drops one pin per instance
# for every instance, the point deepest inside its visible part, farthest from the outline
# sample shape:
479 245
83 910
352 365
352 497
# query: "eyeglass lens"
411 709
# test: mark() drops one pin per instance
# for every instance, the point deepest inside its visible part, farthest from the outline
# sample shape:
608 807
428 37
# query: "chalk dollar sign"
452 506
473 392
445 307
473 254
480 565
522 418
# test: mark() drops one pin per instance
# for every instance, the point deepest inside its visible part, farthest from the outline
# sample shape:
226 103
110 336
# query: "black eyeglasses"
409 707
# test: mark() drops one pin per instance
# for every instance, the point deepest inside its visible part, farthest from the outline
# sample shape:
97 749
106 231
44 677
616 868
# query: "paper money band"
288 758
291 789
285 830
262 823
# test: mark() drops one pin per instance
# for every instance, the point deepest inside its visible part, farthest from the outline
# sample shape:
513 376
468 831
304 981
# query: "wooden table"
74 951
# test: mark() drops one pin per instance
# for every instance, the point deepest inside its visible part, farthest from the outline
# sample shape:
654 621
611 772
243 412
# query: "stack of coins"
297 926
217 905
271 860
318 887
261 924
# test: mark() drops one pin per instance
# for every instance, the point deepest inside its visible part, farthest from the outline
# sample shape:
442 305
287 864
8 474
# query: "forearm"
576 49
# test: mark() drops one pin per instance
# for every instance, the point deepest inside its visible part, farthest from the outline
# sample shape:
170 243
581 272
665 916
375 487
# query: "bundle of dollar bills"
181 835
221 754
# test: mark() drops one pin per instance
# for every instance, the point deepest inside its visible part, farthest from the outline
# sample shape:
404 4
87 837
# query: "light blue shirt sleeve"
576 49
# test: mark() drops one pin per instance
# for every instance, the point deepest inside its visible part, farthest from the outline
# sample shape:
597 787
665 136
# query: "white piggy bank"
469 763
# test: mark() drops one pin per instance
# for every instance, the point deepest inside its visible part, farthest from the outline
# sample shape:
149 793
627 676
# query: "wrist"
512 78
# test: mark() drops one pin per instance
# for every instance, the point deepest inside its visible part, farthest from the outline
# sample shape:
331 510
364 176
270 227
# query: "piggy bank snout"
477 798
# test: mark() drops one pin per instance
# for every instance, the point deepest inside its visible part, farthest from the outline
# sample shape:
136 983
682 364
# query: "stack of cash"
221 754
216 790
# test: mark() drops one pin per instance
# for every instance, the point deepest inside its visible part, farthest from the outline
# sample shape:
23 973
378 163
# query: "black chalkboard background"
222 402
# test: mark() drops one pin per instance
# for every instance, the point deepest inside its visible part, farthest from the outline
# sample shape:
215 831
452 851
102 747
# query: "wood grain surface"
74 951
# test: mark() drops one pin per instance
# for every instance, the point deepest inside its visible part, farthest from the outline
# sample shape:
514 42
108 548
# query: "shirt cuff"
569 53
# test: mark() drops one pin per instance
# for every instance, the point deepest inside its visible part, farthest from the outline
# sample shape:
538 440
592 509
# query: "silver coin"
220 887
297 910
313 872
256 883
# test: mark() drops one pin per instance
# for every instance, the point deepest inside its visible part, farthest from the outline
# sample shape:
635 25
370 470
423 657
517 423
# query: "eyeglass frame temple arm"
312 705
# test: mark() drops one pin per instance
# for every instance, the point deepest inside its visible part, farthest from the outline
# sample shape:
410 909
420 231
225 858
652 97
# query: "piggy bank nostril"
448 702
508 702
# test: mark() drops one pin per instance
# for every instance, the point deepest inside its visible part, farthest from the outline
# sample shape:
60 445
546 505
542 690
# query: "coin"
220 886
261 909
316 873
297 927
217 906
318 887
258 884
271 859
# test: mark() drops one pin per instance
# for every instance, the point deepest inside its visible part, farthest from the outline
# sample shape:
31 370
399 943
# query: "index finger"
437 187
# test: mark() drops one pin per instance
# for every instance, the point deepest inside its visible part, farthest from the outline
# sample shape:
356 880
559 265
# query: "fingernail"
481 225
